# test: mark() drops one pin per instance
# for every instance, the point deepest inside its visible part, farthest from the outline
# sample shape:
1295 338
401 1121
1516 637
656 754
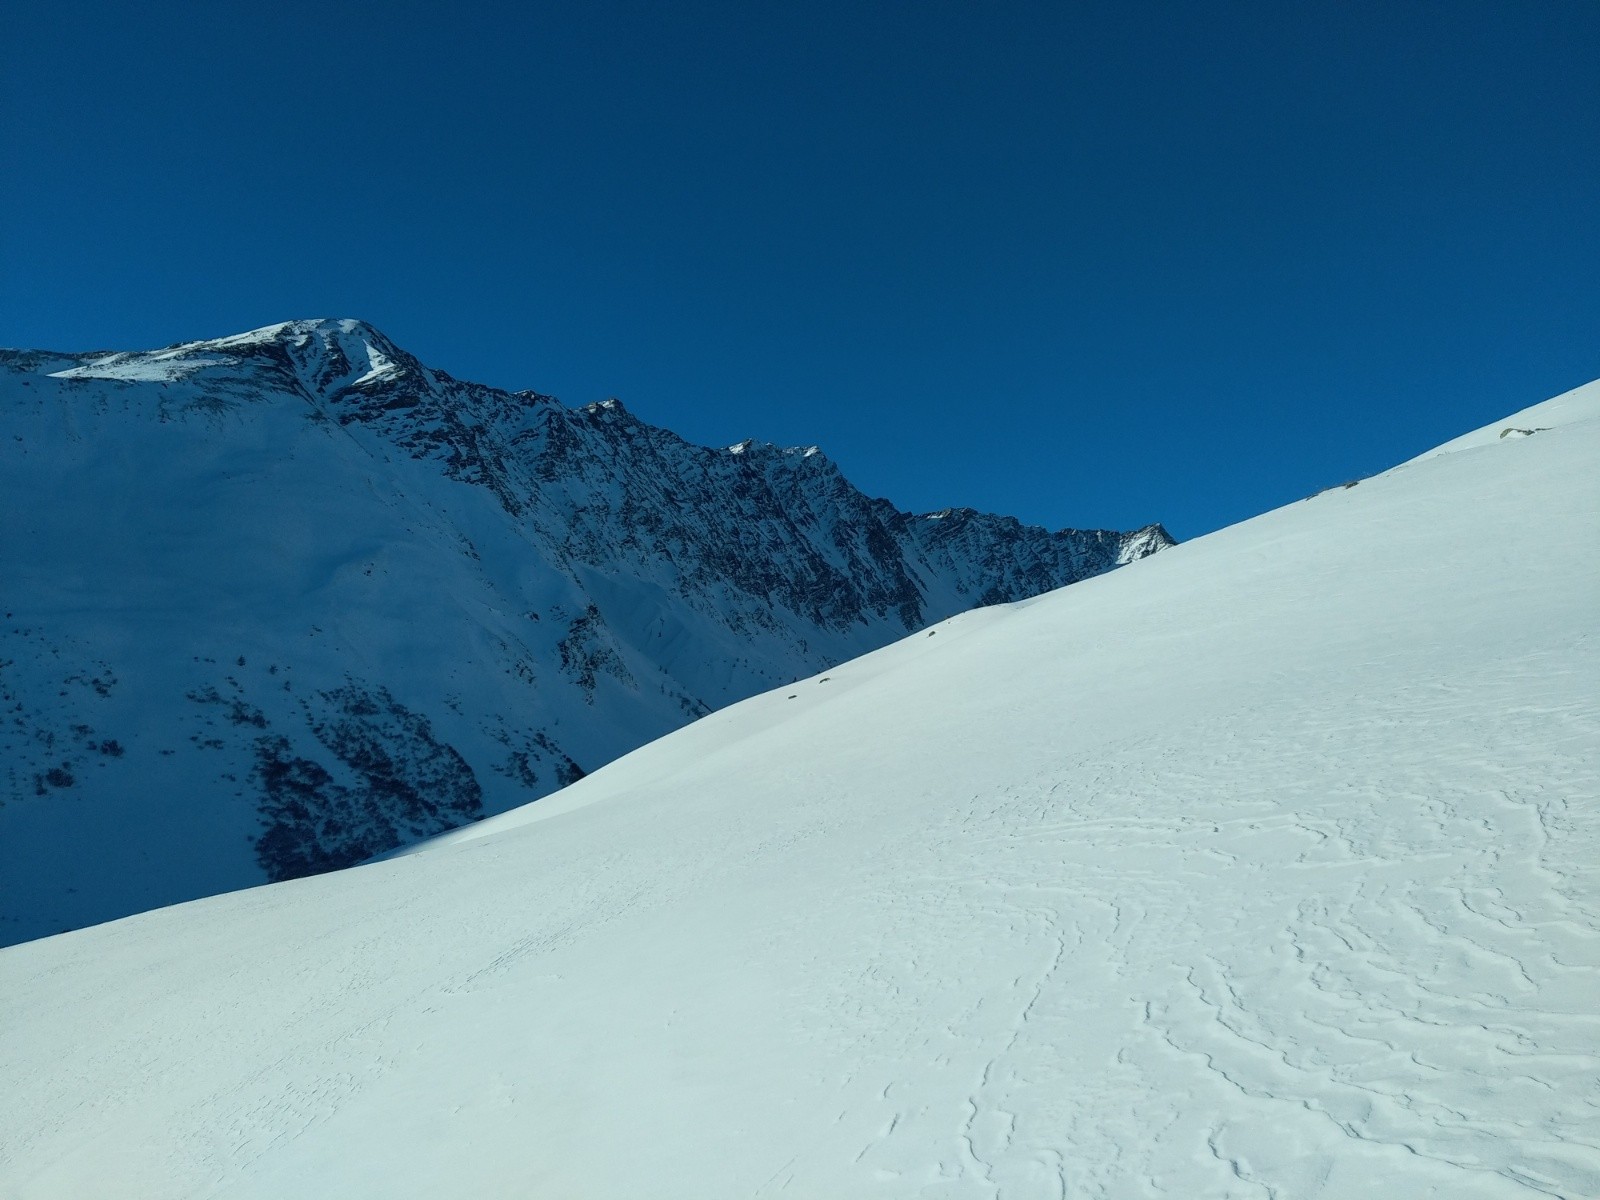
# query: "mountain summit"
277 602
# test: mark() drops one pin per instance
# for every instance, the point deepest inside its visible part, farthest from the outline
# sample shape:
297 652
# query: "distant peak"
327 354
349 349
326 330
752 446
1142 543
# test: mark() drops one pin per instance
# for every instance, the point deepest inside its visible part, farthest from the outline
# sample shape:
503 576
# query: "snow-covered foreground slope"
1261 868
274 603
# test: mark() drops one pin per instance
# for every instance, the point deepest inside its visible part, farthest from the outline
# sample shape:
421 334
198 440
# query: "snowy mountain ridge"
279 601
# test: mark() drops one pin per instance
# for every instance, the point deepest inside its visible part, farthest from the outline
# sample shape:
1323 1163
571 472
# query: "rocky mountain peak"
1144 542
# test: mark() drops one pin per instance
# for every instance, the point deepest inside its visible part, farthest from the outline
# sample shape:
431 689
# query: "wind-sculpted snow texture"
1263 868
218 556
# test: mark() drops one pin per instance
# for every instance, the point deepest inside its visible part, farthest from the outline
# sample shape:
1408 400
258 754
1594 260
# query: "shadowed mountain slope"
277 602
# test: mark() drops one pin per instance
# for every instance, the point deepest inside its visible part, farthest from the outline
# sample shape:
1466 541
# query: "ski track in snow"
1083 899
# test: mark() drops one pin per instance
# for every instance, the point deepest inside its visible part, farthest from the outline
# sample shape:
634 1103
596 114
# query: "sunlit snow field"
1262 867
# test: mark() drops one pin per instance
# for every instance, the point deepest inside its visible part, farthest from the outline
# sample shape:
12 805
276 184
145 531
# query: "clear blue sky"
1088 263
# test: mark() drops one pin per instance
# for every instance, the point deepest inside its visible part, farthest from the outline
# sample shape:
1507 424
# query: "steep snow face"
1263 867
277 602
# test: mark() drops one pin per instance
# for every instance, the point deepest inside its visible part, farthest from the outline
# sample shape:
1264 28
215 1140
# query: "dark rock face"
401 785
295 590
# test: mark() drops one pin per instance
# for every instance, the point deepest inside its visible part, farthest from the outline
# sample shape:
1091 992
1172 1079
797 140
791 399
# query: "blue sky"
1093 264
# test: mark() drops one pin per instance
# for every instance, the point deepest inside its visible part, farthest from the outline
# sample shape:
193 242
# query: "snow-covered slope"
278 602
1261 868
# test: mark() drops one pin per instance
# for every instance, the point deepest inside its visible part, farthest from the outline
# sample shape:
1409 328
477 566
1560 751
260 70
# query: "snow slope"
1261 868
273 603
